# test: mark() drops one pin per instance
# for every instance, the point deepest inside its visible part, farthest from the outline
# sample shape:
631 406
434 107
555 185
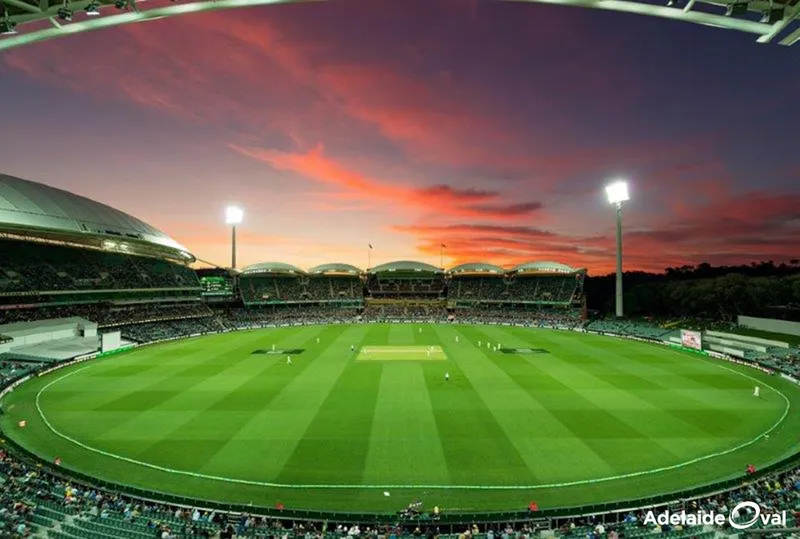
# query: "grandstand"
480 290
405 279
71 263
275 283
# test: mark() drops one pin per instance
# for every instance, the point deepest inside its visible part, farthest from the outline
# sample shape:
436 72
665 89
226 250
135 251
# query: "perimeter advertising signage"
691 339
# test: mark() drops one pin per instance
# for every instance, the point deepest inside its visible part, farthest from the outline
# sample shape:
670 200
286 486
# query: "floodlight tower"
233 216
617 193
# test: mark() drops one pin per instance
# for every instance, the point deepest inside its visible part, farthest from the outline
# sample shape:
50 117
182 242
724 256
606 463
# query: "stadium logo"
743 516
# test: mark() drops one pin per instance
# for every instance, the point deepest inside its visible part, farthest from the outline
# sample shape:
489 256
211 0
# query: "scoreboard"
217 286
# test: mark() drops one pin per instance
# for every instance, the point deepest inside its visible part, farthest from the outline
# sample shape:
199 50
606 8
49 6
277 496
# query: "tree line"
705 291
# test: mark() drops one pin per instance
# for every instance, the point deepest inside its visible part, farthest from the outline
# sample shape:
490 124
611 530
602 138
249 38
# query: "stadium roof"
476 267
544 267
779 26
405 266
37 210
272 267
335 267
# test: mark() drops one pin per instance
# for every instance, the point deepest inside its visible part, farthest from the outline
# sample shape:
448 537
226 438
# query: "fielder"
289 360
757 392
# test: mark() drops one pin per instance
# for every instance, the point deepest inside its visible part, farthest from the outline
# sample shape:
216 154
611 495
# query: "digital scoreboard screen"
217 286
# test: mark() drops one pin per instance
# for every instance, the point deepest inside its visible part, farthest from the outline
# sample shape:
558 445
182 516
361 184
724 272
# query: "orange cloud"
755 226
441 200
224 68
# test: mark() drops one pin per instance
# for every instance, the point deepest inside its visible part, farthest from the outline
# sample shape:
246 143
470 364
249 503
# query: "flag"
386 493
533 506
444 246
370 246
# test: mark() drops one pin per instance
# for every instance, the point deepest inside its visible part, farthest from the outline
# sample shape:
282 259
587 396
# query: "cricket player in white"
480 344
352 347
757 392
447 377
456 339
289 360
317 340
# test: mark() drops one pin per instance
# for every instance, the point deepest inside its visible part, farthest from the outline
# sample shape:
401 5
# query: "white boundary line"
429 487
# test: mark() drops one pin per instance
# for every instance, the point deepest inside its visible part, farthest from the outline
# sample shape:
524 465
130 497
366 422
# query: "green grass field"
584 419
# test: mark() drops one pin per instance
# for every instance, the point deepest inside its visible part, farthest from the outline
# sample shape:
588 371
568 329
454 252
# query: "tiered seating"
32 267
424 285
9 370
404 311
169 329
284 314
291 289
632 328
784 359
528 288
469 288
110 315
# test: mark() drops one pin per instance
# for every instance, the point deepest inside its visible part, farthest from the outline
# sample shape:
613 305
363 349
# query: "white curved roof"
476 267
405 265
544 266
335 267
34 206
272 267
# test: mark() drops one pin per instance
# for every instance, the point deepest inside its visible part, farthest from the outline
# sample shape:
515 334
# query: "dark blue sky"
488 126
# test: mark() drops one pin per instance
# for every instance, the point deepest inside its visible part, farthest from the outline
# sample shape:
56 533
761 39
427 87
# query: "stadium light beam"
233 217
617 193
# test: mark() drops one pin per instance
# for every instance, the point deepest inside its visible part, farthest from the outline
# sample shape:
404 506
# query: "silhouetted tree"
703 290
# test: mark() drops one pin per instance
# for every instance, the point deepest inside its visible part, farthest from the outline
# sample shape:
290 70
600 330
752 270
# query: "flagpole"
441 255
369 256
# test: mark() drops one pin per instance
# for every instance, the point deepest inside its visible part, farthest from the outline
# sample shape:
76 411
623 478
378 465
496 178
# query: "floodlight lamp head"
617 192
233 215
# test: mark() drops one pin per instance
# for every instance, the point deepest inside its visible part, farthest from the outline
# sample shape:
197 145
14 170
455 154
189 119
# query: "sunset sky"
490 127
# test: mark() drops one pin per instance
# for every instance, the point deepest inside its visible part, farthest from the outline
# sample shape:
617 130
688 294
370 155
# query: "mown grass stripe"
404 443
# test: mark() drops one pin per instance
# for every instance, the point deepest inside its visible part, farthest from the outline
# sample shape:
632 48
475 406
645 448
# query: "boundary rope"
422 486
